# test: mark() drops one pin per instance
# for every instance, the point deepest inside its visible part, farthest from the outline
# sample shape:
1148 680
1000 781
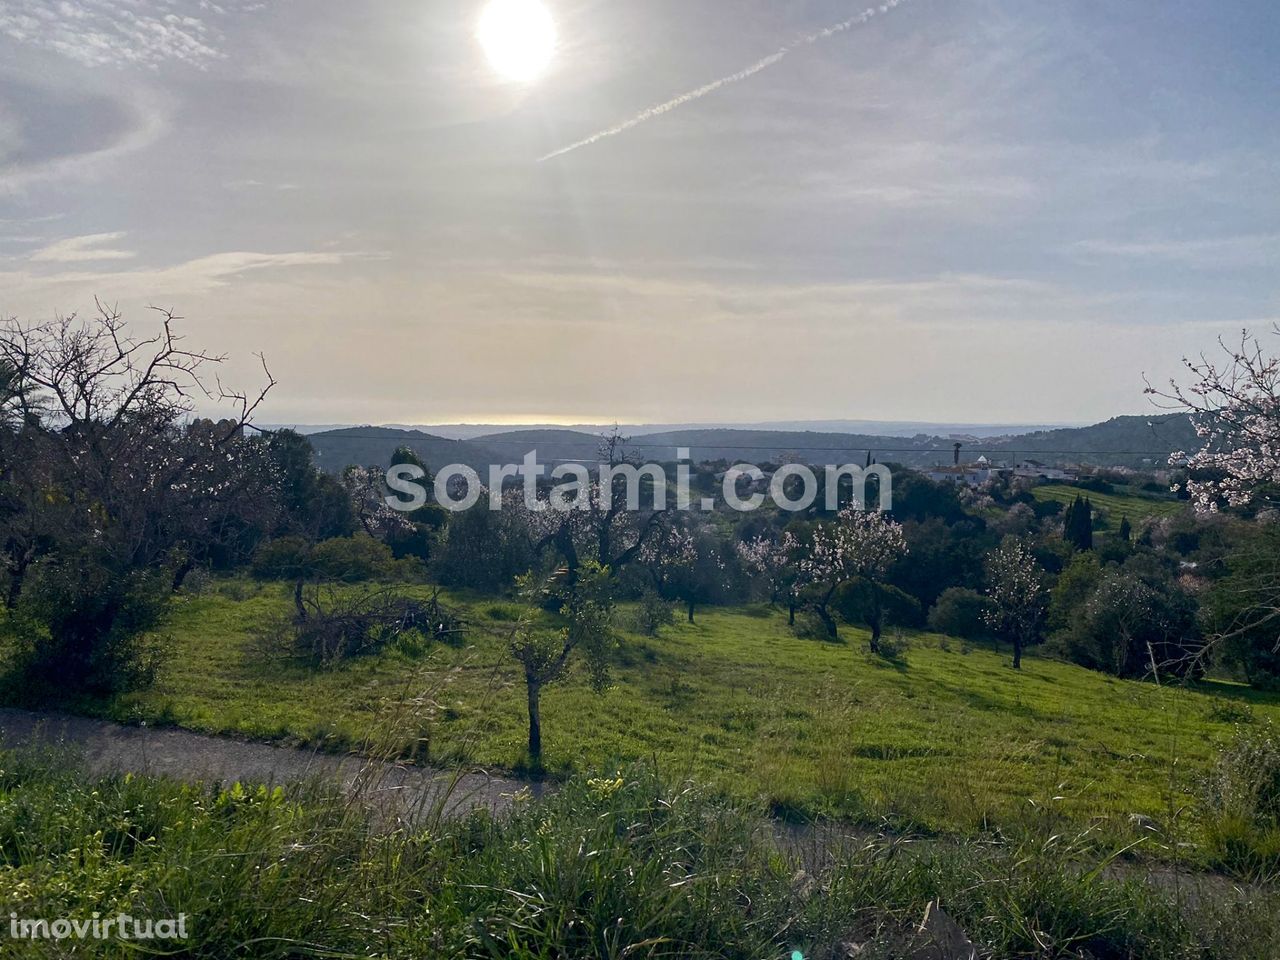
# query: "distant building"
1035 470
969 474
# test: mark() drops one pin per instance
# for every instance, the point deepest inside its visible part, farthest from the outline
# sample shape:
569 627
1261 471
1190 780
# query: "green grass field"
1136 506
952 738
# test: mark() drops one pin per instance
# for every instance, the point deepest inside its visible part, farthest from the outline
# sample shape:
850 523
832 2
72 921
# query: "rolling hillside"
1139 442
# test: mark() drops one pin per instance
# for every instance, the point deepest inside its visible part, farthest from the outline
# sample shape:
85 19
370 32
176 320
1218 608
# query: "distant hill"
374 446
1123 441
873 428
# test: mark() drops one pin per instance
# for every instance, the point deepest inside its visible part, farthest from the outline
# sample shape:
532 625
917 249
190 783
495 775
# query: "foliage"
1136 622
586 606
857 601
653 613
1018 595
108 485
81 627
484 549
1241 801
1077 524
1241 609
962 613
856 543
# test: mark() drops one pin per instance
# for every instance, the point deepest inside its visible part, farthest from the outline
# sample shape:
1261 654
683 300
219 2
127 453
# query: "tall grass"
615 866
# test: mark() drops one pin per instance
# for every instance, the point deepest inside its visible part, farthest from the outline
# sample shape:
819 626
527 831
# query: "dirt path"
393 790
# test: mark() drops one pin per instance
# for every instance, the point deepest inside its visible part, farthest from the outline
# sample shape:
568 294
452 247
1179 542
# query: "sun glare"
518 37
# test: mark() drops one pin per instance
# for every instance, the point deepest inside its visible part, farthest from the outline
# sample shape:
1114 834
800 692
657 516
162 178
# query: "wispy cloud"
86 249
188 279
747 72
99 33
1250 250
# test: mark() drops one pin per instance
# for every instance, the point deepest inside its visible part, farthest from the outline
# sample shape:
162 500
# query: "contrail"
713 86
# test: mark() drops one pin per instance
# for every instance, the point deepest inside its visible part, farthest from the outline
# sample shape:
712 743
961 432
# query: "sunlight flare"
518 37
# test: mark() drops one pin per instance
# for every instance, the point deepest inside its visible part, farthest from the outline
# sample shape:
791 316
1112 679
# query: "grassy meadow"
1132 504
948 738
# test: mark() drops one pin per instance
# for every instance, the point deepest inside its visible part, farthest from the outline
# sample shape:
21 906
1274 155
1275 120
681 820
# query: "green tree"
586 606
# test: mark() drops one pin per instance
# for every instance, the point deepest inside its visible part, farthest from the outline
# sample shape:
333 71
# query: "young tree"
856 543
587 609
684 566
776 563
1018 592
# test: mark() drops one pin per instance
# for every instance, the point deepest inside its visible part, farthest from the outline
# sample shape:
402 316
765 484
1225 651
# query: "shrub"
653 613
352 559
287 558
1241 800
961 613
853 600
82 625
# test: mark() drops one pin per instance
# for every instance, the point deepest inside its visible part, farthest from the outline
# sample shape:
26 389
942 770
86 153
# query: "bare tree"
110 468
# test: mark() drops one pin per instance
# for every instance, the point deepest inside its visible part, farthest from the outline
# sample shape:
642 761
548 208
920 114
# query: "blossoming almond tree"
858 544
1235 408
1018 591
775 562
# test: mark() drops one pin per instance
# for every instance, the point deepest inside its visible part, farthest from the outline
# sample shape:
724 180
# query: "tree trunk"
298 605
535 723
16 576
877 619
689 604
180 574
1017 653
791 614
828 621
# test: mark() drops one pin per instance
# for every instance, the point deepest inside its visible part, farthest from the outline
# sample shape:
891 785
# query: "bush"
653 613
82 625
1242 802
288 558
484 550
352 559
961 613
853 600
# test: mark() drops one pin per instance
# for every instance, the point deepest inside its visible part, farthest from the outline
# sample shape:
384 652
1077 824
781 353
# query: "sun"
518 37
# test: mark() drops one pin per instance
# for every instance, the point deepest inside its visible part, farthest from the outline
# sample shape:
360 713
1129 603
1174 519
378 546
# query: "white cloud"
84 249
99 33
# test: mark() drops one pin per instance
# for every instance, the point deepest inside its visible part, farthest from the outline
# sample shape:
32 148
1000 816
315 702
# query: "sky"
959 210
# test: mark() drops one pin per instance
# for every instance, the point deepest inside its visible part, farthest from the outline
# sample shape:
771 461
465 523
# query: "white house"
1036 470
